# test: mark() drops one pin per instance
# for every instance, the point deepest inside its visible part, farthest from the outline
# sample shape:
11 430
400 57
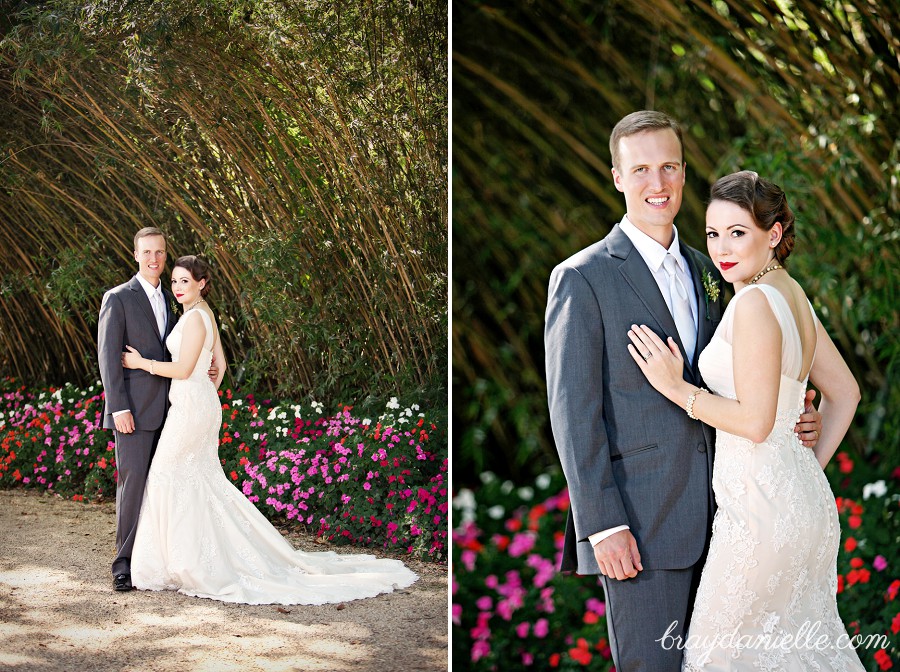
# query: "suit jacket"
630 456
126 318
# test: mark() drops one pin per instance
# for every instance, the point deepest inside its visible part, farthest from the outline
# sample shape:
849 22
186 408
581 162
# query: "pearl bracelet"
690 402
153 361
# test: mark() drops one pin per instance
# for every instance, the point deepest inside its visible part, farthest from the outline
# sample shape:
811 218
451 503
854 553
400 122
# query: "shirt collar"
150 289
652 252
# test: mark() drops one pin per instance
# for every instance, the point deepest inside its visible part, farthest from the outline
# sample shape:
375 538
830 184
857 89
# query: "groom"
137 313
638 468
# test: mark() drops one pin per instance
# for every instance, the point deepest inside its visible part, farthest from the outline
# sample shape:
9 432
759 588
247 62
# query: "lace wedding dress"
199 535
766 599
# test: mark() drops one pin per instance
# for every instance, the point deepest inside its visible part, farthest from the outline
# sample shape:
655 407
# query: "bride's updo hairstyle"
198 269
764 200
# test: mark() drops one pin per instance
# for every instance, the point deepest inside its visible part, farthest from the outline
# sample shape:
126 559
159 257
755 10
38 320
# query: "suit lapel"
704 326
634 270
171 318
141 297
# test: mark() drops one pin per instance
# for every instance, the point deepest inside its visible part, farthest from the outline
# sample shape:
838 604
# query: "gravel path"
58 612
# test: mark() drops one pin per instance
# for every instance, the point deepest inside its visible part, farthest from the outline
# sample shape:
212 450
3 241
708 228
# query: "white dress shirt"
653 255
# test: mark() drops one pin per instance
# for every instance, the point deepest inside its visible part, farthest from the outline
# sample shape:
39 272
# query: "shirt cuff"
118 413
597 537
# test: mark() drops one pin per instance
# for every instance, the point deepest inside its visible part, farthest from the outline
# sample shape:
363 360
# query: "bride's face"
736 244
184 287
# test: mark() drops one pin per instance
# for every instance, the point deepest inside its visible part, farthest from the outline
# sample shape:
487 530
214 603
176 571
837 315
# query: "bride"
766 598
197 533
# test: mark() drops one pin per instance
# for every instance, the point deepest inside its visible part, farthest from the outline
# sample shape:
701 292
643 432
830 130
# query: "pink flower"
457 614
522 629
480 649
527 658
595 605
484 603
541 628
879 563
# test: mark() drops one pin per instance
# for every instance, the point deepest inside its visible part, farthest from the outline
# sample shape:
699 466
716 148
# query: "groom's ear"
617 179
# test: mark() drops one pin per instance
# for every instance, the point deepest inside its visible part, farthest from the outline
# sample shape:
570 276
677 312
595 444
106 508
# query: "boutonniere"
173 306
711 285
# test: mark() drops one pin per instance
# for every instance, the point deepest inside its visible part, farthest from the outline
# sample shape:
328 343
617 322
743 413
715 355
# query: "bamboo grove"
802 92
301 148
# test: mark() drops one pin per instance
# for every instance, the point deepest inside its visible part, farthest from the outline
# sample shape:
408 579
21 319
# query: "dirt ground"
59 613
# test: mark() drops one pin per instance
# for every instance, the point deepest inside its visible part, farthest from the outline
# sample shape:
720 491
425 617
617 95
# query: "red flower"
883 659
893 588
895 624
840 588
580 653
850 545
554 660
590 617
854 522
856 563
234 476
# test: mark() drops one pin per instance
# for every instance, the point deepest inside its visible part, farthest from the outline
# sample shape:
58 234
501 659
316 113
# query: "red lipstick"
725 265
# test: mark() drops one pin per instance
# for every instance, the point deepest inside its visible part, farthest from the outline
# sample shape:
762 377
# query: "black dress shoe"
122 582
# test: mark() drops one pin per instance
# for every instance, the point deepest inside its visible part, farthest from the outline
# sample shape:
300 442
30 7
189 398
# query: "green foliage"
791 91
302 148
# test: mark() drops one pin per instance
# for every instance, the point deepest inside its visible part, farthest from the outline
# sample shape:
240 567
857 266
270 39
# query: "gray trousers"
647 618
133 454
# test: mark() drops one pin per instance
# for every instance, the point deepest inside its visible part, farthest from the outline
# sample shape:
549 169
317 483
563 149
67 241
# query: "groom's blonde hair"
638 122
148 231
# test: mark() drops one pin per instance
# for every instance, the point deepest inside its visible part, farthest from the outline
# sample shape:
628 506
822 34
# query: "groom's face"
651 175
151 257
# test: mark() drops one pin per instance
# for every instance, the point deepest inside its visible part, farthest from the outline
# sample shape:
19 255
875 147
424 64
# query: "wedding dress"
199 535
767 593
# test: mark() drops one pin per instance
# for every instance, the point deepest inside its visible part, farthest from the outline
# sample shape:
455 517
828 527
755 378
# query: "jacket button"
701 447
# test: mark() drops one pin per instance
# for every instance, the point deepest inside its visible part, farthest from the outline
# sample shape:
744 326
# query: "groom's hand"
124 422
618 556
809 427
213 371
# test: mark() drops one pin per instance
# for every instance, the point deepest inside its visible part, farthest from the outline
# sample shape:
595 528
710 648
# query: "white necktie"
681 307
160 312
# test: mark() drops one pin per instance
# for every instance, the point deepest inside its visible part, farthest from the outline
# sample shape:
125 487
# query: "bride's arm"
219 354
756 351
192 338
840 395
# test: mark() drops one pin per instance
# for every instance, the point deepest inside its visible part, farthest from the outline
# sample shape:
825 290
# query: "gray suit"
126 318
630 456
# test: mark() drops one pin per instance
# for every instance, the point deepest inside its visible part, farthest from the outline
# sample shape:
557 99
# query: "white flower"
465 503
487 477
543 481
526 493
415 407
366 421
878 488
506 487
237 402
496 512
256 437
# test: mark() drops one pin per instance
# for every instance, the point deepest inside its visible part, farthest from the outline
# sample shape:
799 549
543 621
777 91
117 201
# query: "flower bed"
512 609
348 479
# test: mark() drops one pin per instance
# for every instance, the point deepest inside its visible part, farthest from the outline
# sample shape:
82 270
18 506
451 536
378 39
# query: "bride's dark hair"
764 200
198 269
